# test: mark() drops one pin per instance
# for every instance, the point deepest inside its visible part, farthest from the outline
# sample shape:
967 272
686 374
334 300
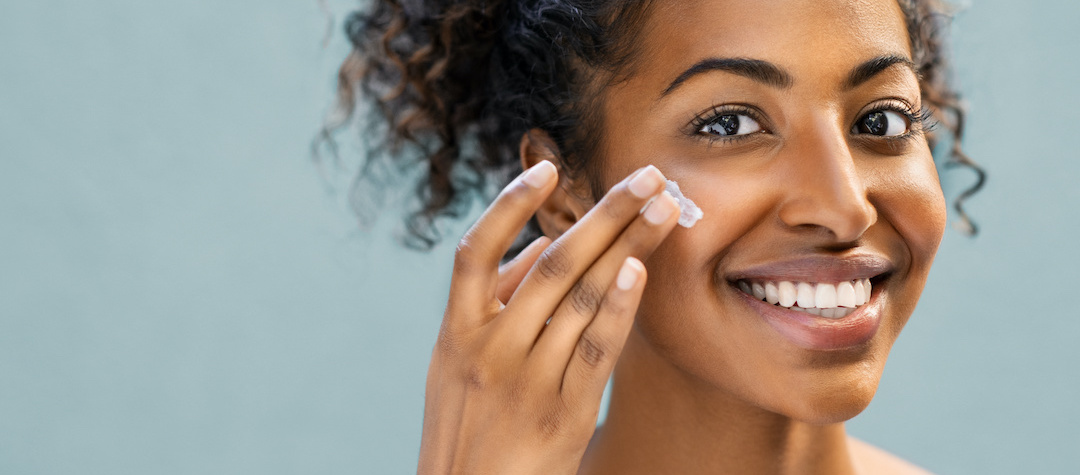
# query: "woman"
800 128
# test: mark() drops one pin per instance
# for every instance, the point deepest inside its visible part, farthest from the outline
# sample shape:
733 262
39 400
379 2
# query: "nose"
823 189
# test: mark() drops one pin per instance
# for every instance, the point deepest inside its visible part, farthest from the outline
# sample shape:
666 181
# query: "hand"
509 391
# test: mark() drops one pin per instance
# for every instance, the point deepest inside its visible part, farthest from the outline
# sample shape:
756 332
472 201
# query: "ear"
563 207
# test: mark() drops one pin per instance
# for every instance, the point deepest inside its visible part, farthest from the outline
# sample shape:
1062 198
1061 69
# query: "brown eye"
731 124
883 123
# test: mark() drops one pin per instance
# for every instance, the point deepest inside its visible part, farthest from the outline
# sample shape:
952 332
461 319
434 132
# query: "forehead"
813 39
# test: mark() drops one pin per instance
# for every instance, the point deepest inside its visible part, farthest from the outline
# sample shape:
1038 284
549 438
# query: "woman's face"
787 122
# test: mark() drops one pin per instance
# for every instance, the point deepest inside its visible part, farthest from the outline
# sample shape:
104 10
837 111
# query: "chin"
828 393
831 402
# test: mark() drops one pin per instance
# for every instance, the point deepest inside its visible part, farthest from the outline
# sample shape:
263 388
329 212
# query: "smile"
821 303
829 300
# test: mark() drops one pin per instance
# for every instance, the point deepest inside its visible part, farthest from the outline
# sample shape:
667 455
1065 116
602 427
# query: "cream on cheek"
689 212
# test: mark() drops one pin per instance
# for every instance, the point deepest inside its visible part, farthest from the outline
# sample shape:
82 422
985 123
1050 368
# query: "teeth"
743 286
806 295
825 299
787 293
825 296
845 295
772 293
758 290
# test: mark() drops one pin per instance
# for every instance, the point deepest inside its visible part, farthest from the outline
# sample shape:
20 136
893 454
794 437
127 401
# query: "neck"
663 420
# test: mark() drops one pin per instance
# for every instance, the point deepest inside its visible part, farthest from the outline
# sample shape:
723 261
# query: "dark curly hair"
456 83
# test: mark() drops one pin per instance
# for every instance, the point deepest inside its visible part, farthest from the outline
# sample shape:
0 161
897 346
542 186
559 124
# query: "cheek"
908 196
734 202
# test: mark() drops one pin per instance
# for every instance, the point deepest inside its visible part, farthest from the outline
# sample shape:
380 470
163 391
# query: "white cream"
689 212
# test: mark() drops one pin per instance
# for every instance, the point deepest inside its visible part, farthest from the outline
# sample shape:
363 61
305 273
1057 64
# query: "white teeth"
860 292
828 300
825 296
758 290
805 297
772 293
845 295
787 292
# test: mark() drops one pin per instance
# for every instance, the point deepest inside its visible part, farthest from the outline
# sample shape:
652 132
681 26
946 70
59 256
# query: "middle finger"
568 257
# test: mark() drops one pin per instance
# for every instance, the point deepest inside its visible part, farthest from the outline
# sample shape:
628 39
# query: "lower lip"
814 332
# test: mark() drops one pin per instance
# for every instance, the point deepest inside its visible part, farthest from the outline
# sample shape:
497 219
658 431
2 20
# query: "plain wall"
182 292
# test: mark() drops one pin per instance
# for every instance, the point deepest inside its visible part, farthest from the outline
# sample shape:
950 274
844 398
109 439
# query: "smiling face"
795 126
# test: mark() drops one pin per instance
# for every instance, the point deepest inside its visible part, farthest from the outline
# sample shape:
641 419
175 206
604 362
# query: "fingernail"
628 274
540 174
646 183
660 209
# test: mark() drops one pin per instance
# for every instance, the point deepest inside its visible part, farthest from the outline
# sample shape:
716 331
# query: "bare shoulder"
872 460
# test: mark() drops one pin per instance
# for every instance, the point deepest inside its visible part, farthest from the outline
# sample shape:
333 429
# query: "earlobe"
562 208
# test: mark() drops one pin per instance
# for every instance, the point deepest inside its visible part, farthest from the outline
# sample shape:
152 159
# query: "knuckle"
552 422
592 351
555 262
477 376
585 297
614 306
464 255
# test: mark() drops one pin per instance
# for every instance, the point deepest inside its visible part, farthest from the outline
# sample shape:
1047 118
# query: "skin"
703 384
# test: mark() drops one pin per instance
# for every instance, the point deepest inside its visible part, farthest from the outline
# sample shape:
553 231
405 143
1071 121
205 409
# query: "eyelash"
715 113
920 123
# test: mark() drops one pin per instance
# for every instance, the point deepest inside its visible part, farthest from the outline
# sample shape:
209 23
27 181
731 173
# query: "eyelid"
890 103
916 117
715 112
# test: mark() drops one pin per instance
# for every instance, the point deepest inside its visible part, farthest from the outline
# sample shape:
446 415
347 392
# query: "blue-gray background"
181 292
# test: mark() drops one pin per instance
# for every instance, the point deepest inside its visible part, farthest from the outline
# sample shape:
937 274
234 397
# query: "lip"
818 269
814 332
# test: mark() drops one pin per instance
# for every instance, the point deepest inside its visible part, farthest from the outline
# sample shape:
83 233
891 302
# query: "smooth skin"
508 391
703 384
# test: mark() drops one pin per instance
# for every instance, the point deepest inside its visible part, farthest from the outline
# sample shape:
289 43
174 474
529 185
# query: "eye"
883 123
730 124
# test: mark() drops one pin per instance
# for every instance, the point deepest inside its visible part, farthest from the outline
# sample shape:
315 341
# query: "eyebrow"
755 69
865 71
774 76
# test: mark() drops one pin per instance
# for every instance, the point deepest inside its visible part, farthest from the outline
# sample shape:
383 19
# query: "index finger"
476 259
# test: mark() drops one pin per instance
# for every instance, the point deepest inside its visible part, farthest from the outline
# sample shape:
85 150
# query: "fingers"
511 273
579 307
564 261
475 278
602 341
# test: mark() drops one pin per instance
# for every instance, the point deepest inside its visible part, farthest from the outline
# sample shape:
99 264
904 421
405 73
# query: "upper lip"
817 269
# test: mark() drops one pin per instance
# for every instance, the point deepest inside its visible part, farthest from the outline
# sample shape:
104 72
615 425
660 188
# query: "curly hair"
456 83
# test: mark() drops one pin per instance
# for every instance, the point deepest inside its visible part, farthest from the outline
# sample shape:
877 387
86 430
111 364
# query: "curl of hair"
456 83
927 24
